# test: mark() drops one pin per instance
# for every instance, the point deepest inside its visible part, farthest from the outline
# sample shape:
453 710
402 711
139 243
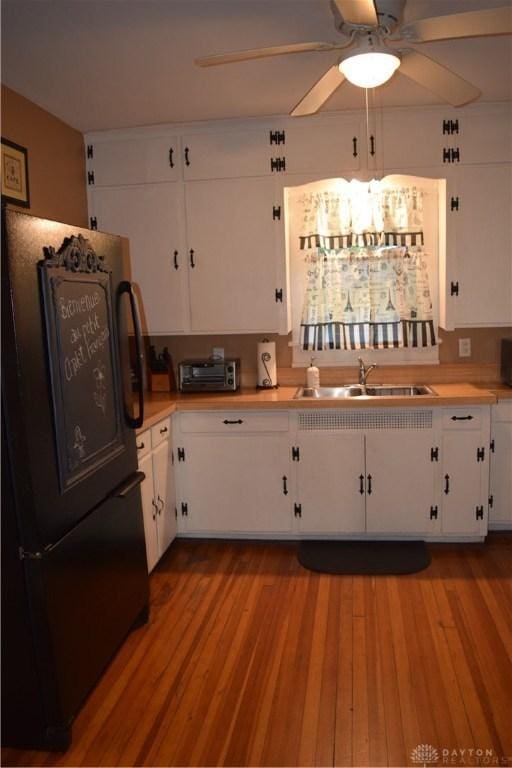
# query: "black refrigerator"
74 575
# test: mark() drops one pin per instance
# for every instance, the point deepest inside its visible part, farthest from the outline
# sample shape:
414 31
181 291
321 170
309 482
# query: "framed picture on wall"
14 174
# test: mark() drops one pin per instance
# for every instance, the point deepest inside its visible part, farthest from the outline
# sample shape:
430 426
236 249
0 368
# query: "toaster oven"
210 375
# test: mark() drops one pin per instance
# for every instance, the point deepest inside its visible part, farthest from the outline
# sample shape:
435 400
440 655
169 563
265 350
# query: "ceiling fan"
373 50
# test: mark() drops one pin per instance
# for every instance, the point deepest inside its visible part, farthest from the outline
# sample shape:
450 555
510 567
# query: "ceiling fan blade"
491 21
261 53
437 78
319 93
358 12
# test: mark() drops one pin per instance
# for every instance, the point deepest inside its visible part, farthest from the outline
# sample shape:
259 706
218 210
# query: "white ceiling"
119 63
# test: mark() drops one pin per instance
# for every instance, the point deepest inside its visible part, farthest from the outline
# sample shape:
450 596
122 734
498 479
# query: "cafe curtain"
367 283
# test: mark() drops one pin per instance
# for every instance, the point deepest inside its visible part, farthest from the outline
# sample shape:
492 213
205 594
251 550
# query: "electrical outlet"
218 353
464 347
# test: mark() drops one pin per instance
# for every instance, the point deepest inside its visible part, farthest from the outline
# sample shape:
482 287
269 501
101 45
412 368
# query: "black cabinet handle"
187 161
140 446
285 487
462 418
369 485
372 146
163 430
171 160
447 483
361 483
192 262
155 507
354 143
237 421
161 504
175 256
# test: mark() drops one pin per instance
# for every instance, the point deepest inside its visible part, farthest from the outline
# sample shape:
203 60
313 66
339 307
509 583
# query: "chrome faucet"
364 371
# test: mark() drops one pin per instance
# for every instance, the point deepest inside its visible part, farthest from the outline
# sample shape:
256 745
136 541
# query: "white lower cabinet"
154 448
330 495
365 472
500 482
465 470
234 473
400 474
389 472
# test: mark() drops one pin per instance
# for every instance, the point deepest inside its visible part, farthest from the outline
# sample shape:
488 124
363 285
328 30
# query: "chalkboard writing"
82 359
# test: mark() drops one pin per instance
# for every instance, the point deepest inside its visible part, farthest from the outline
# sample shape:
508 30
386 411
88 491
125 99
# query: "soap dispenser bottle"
312 376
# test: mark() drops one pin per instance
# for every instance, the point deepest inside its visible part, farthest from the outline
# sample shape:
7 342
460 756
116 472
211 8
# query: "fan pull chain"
367 129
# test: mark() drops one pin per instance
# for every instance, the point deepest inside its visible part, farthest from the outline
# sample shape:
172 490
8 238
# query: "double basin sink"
356 390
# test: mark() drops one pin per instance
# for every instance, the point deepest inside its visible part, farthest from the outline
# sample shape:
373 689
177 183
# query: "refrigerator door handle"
126 488
126 287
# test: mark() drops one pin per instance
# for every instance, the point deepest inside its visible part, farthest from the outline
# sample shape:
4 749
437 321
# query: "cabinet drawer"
233 422
160 432
462 418
143 442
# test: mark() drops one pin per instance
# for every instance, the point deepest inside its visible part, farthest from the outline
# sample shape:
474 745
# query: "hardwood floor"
250 660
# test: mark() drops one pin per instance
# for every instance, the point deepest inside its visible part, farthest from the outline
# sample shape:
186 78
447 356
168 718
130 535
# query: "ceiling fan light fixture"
369 70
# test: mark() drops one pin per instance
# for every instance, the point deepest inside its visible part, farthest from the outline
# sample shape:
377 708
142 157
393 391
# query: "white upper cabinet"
324 148
451 138
202 205
486 134
233 258
205 256
483 227
151 217
136 160
406 139
225 154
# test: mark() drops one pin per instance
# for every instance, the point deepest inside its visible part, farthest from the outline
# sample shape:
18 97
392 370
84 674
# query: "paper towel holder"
265 358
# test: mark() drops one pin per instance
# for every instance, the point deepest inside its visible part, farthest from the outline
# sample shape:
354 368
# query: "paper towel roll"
267 368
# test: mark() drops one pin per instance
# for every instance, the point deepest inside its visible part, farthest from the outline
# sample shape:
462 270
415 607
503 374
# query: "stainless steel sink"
399 391
354 390
328 393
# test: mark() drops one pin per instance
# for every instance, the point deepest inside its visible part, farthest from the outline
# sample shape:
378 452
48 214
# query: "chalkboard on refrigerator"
82 358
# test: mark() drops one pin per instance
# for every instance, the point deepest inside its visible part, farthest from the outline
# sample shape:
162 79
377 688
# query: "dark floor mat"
364 557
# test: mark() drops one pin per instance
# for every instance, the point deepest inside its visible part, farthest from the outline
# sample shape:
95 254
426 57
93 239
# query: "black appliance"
74 575
506 361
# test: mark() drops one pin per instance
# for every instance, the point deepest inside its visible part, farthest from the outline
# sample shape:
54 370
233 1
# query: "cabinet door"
330 482
465 469
133 160
232 241
237 484
165 517
326 148
226 154
149 511
483 246
151 216
500 511
409 139
485 135
400 483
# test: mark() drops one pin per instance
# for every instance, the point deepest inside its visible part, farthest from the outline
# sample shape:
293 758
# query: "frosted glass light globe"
368 70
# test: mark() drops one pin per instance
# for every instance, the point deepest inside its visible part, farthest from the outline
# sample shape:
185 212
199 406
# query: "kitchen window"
364 269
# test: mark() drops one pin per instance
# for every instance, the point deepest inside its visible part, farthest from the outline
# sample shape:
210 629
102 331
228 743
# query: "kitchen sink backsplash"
482 366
